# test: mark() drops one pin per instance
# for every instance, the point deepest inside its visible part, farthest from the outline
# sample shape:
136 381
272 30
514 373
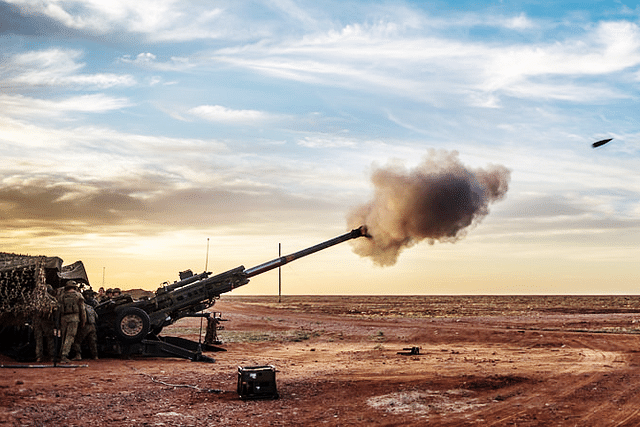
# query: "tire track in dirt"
622 404
622 395
571 382
630 420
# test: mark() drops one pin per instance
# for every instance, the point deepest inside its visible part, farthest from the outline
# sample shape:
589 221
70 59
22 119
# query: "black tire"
132 324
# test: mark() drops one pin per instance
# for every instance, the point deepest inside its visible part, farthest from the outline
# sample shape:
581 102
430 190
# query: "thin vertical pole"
103 276
206 262
279 274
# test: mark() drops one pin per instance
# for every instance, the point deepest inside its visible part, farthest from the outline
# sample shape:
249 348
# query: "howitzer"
126 326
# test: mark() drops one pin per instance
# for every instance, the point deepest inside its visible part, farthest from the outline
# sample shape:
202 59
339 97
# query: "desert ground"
489 361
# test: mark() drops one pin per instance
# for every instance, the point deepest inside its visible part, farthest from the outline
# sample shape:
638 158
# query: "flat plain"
347 360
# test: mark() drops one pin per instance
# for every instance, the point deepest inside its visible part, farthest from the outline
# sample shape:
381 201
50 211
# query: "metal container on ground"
257 382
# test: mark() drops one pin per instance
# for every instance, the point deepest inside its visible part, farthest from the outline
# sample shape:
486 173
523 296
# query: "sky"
149 137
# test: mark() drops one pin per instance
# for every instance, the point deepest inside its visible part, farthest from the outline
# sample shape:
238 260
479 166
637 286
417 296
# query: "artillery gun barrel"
127 323
275 263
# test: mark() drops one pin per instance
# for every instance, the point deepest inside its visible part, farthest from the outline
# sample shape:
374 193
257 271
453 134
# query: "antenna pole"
206 262
279 274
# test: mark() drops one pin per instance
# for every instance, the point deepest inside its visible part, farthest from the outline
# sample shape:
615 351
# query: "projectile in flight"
599 143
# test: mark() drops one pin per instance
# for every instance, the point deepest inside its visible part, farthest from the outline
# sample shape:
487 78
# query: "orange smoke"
438 200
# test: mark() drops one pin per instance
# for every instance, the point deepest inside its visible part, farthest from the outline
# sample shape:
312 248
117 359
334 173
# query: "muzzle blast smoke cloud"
437 201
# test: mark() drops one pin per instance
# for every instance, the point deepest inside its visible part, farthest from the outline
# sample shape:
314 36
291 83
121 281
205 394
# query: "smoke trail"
437 200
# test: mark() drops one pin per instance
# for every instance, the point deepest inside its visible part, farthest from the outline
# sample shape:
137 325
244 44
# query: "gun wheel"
132 324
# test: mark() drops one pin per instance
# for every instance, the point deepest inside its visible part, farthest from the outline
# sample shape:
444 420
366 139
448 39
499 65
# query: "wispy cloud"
327 141
149 60
218 113
100 16
611 47
56 67
520 22
157 20
23 106
371 57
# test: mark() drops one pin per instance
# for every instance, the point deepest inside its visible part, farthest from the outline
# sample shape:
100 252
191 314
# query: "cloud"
82 178
543 206
45 201
23 106
520 22
65 205
434 68
158 20
141 58
93 153
327 141
56 67
572 92
410 55
218 113
99 16
149 60
611 47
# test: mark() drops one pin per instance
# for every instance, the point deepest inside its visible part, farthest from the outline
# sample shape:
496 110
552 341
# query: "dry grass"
271 336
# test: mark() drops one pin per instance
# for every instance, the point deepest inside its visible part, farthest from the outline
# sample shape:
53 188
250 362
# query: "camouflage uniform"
72 312
90 298
107 296
211 337
88 331
44 325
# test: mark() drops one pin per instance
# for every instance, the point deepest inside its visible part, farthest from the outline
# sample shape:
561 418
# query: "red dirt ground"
517 363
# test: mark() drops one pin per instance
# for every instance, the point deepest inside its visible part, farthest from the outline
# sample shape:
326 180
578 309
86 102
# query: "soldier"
72 312
116 292
211 337
90 297
44 325
107 295
87 332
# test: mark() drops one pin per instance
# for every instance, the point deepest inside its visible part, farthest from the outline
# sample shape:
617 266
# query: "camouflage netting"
22 287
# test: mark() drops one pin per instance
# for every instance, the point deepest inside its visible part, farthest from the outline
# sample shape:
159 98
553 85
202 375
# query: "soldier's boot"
77 357
65 360
51 351
93 347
